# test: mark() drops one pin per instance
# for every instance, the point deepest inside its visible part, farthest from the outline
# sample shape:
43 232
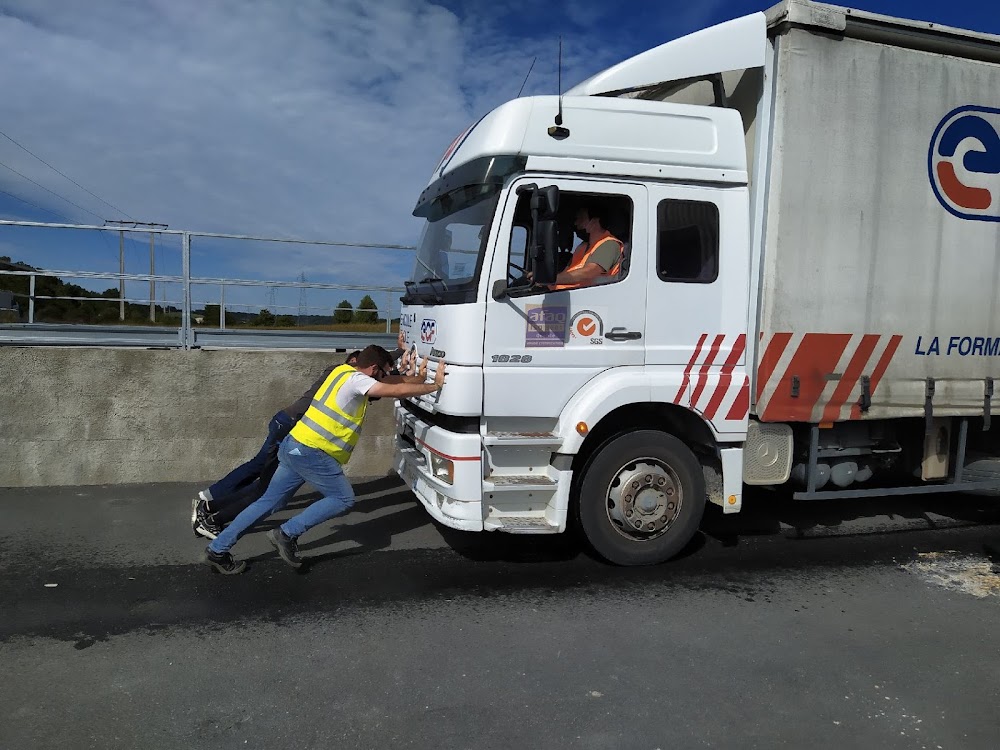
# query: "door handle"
620 334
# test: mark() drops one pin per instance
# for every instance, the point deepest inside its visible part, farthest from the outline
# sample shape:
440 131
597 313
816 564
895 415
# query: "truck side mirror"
544 251
544 206
500 290
546 202
545 233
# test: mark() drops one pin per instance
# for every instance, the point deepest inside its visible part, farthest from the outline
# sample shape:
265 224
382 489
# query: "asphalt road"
792 625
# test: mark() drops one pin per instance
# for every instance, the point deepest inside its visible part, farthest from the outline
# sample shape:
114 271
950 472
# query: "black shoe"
286 546
199 502
206 525
224 563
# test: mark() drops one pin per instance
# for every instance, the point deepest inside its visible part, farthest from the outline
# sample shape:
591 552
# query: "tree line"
87 309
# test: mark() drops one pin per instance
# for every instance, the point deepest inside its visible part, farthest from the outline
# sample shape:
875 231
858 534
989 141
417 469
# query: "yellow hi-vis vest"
325 425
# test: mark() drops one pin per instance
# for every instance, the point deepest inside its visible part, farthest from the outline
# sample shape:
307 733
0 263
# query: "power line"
104 239
530 68
50 191
46 210
25 149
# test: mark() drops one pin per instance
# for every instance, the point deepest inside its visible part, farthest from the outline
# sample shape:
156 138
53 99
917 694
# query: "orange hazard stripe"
687 370
703 374
741 406
772 355
726 378
853 372
814 360
880 368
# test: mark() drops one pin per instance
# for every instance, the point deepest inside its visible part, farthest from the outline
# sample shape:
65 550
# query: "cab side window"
519 246
616 215
687 241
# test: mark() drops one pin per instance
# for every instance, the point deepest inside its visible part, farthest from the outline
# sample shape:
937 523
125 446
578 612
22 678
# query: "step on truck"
808 205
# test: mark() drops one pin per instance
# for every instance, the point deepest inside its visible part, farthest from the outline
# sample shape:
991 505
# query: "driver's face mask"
583 234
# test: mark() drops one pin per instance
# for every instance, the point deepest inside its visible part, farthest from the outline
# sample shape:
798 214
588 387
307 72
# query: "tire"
665 471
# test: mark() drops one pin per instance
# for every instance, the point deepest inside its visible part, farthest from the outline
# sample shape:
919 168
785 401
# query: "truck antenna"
530 68
559 115
557 131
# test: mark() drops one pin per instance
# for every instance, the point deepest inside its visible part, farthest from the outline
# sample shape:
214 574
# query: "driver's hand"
530 276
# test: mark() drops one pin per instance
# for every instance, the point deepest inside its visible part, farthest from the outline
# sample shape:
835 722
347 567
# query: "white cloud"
309 118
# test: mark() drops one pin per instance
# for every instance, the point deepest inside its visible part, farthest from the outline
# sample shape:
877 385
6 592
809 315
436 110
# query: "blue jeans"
261 464
298 464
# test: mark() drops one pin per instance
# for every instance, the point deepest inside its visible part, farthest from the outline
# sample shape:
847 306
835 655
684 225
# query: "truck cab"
805 291
624 402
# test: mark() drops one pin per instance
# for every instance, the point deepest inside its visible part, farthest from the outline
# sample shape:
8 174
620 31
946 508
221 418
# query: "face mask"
583 234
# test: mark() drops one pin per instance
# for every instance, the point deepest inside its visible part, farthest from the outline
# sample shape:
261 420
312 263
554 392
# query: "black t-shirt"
296 409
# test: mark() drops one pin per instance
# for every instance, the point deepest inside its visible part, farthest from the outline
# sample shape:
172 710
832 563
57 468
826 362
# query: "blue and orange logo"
964 163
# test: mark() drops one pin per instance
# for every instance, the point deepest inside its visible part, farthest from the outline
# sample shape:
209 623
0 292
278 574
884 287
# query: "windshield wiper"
432 280
433 276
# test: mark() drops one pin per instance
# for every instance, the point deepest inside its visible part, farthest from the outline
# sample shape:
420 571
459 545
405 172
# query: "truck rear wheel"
641 498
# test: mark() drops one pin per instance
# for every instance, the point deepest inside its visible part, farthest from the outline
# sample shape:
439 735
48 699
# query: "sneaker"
224 563
207 526
286 546
199 502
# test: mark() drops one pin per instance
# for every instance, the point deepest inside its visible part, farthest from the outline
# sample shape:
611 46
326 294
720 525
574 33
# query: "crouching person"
316 450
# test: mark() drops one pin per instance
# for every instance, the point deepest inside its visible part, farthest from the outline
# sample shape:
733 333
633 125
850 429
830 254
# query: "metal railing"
188 335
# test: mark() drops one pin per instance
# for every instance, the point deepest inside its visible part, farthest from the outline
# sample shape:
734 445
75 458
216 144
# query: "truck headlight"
443 468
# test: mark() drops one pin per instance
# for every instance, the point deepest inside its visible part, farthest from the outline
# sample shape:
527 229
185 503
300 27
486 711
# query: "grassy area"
329 327
351 327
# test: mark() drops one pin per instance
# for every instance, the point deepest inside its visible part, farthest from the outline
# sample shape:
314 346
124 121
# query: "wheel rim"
643 499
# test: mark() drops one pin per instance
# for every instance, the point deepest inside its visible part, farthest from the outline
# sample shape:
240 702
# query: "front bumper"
458 505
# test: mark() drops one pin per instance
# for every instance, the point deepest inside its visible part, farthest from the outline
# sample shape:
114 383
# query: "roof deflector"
733 45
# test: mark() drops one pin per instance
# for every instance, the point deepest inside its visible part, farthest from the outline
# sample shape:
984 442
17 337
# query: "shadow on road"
770 512
394 511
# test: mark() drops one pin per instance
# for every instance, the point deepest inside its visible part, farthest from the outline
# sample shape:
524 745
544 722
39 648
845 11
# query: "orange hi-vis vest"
582 255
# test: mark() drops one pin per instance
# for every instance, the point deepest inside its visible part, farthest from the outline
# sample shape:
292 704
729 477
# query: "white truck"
808 200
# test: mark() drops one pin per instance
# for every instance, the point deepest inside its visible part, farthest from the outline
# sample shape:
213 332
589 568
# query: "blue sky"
312 119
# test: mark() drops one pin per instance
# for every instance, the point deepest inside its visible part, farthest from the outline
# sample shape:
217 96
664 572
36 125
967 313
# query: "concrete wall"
78 416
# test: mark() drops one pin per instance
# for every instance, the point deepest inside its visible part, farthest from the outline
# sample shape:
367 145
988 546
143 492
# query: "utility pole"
121 276
303 299
121 262
152 284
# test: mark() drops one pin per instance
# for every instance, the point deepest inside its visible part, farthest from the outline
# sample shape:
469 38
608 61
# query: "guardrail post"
187 337
31 298
222 307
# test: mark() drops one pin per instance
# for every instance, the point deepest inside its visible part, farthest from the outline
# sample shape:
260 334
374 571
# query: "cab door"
697 301
542 347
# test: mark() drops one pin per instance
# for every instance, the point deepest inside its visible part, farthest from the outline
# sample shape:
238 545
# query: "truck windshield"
458 209
449 254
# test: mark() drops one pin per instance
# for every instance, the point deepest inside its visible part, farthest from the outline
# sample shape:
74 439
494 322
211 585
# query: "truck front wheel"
641 498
